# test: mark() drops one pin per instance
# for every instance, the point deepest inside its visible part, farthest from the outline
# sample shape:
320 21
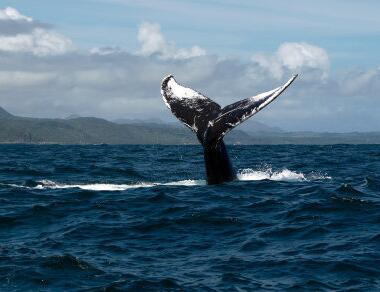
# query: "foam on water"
285 174
186 182
48 184
242 175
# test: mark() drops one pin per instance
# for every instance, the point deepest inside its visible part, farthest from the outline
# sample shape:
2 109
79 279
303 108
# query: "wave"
48 184
285 174
242 175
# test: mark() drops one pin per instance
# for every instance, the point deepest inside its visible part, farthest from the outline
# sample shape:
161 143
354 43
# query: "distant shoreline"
96 131
148 144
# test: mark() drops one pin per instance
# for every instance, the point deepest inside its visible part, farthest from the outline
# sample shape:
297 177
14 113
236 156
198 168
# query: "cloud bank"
43 74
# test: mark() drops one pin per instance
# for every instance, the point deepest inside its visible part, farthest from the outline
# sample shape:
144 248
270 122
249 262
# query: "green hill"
80 130
90 130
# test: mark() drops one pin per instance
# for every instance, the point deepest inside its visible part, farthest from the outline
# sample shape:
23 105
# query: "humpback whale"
210 122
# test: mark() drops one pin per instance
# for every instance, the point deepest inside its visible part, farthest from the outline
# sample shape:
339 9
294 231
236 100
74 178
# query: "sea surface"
141 218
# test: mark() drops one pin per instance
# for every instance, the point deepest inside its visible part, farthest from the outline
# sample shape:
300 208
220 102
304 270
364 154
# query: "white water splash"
242 175
187 182
281 175
48 184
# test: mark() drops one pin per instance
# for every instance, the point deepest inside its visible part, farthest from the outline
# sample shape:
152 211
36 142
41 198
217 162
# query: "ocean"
141 218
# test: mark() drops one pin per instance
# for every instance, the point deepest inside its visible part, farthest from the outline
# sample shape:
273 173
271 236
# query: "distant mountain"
73 116
4 114
138 121
252 126
80 130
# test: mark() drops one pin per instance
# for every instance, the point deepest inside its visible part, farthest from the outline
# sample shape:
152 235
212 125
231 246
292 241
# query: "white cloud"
40 42
299 55
153 42
37 40
104 51
10 13
295 57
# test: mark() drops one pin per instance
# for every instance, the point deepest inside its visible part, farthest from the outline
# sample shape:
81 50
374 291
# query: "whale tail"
205 117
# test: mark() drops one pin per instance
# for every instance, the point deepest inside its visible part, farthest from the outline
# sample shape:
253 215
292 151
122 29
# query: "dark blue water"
117 218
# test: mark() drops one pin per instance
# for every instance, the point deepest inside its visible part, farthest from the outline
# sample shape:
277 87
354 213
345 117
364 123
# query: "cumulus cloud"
10 13
22 34
153 42
295 57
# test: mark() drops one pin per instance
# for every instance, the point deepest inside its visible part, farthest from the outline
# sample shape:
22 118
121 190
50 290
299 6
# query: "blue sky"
334 45
348 30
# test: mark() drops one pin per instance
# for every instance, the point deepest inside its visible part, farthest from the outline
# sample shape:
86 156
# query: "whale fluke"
234 114
211 123
189 106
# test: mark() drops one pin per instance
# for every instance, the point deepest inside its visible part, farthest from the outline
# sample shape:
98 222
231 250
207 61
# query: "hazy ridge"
91 130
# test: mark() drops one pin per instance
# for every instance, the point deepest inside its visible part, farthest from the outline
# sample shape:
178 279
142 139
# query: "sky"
107 58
